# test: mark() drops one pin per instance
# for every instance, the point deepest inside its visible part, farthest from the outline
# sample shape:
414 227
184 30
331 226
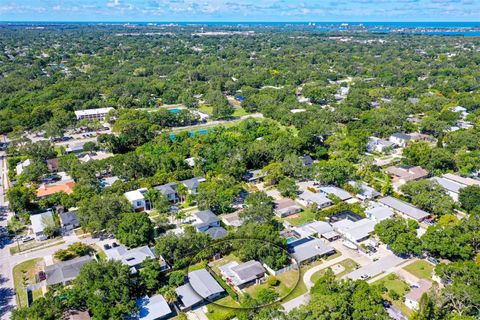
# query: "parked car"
107 246
27 239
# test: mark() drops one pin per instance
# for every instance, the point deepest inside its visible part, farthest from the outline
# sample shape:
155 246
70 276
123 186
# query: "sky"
240 10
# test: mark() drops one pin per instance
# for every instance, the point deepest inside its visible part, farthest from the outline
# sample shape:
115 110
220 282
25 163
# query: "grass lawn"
307 215
421 269
220 311
348 264
197 266
100 253
239 112
205 109
392 283
220 262
24 275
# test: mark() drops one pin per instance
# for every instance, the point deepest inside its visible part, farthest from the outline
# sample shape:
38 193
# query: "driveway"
375 268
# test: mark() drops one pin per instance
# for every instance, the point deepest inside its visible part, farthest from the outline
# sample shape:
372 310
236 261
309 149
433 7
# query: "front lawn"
348 266
23 275
421 269
395 291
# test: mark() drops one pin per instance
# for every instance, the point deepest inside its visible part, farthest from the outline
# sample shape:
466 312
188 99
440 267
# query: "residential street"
7 294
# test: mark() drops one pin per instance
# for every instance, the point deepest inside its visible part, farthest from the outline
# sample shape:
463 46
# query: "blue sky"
240 10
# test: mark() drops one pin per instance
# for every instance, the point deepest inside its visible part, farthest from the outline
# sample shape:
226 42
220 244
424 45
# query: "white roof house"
137 198
365 192
354 231
338 192
152 308
378 213
21 166
313 228
202 285
40 222
130 257
318 199
241 275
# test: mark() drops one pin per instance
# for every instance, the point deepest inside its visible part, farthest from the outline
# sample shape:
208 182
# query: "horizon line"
234 21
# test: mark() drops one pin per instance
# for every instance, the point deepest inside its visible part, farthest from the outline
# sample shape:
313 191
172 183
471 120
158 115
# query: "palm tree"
151 195
182 191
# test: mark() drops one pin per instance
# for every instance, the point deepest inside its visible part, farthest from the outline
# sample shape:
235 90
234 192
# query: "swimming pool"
291 239
175 110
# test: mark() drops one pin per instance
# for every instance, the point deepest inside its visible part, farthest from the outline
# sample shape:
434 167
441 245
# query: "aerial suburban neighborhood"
238 172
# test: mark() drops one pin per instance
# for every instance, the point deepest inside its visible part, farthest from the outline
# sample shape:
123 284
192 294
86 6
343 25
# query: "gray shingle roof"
193 183
311 249
69 218
65 271
248 271
130 257
187 295
206 217
217 232
404 208
167 189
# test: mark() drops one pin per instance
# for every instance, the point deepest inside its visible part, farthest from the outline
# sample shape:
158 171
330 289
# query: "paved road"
7 293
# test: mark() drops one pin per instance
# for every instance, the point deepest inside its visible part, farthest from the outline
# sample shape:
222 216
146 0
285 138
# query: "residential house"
364 192
254 175
133 257
46 190
193 184
64 272
52 164
69 220
319 229
216 232
306 160
40 222
404 174
169 190
92 114
335 191
412 298
242 275
204 220
137 199
375 144
77 315
98 155
22 165
201 287
405 209
108 181
317 199
285 207
400 139
309 249
378 212
232 219
152 308
75 147
354 231
460 110
453 184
